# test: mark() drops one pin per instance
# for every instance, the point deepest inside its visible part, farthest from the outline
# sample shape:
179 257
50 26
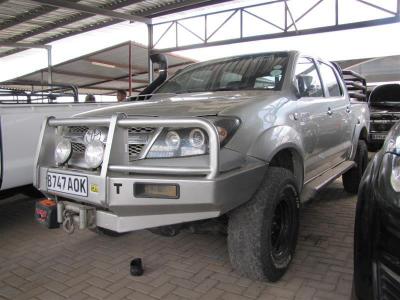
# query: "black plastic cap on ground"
136 267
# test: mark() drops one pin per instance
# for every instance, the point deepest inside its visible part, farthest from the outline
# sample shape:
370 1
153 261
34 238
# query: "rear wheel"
262 234
352 178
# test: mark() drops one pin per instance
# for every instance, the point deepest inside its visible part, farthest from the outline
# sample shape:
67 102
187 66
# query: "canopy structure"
105 71
36 23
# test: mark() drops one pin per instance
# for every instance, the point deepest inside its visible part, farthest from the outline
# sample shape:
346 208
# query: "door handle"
348 109
329 112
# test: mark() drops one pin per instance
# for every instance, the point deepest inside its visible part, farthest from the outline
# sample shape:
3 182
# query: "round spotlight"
63 151
173 140
197 138
94 154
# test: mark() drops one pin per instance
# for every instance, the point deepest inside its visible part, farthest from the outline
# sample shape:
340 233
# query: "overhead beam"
285 34
94 10
24 45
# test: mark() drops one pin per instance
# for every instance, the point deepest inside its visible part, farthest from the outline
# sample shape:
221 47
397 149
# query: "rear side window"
330 80
307 79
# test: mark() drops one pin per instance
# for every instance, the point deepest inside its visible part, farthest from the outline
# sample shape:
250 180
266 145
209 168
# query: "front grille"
388 283
78 129
380 126
138 137
135 150
78 148
134 130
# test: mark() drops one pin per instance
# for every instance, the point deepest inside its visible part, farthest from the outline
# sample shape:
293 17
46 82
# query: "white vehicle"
21 117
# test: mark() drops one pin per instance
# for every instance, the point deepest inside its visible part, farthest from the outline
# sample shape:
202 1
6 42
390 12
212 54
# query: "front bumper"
199 198
204 191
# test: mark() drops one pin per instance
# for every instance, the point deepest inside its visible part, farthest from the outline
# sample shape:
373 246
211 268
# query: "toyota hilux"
243 140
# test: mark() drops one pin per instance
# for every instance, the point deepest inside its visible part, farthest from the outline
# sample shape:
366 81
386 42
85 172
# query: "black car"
377 226
384 103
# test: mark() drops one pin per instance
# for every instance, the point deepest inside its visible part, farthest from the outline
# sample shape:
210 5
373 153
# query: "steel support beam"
130 68
32 46
291 25
94 10
149 52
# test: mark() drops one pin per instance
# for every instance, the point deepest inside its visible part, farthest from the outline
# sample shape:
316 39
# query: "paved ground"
36 263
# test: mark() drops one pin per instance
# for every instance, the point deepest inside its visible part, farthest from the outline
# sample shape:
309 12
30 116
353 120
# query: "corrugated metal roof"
29 22
105 71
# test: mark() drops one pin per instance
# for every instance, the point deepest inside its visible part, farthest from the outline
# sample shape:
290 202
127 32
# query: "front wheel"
262 234
352 178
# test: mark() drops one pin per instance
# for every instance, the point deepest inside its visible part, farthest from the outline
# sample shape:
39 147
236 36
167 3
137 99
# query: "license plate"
379 136
69 184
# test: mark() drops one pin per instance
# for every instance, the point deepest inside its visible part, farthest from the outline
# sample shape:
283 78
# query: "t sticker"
117 187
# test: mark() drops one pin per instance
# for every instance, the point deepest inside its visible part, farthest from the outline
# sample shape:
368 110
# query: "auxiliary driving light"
63 151
94 154
156 190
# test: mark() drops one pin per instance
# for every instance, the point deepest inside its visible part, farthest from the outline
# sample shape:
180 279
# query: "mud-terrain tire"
351 179
262 233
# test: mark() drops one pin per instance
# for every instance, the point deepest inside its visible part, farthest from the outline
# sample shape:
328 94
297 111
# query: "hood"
183 105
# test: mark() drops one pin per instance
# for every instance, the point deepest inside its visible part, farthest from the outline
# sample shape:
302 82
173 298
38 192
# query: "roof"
32 22
105 71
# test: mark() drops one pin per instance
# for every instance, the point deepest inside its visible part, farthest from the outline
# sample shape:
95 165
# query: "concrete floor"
37 263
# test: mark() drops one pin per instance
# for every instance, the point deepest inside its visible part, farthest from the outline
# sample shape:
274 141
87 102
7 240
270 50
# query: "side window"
229 79
307 78
198 80
330 80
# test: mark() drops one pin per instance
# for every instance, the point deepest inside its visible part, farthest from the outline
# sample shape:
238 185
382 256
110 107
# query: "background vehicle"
21 115
384 103
377 227
243 138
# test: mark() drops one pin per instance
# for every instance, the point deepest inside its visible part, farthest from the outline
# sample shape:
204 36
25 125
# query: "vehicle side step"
313 186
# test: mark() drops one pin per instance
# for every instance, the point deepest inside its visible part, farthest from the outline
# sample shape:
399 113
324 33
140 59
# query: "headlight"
94 154
173 140
63 151
191 141
392 145
197 138
395 175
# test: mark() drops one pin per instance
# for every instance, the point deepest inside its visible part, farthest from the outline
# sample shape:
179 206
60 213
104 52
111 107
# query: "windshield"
256 72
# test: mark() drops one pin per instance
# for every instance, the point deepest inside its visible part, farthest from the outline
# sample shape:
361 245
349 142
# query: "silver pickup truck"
242 140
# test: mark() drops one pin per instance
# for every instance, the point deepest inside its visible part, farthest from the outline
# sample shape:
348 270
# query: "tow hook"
68 224
73 215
